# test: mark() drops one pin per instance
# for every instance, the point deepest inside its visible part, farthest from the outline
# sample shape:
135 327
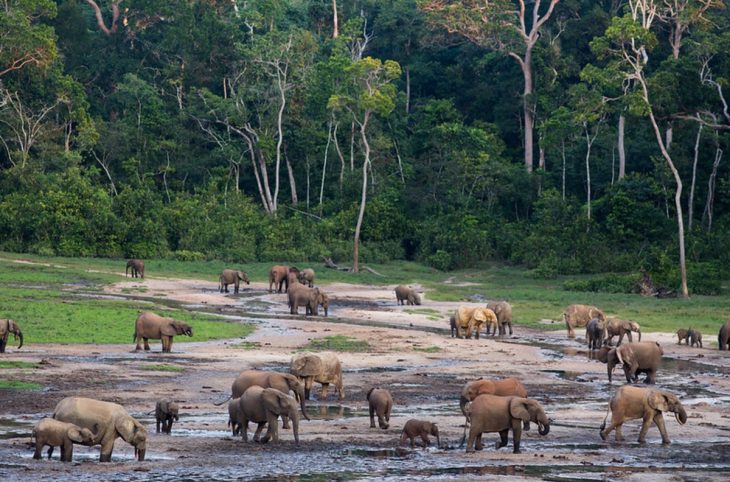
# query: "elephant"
695 337
638 357
629 403
324 368
107 420
683 334
420 428
380 403
230 276
452 323
492 413
284 382
503 388
306 276
503 310
470 319
278 278
59 434
621 327
137 266
150 325
265 405
595 333
723 338
234 416
310 298
406 295
165 412
576 316
6 328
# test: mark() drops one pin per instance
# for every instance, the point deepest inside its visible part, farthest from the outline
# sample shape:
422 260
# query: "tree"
24 39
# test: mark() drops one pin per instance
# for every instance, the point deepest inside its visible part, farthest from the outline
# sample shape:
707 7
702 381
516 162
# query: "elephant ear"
75 435
658 401
274 401
518 409
126 428
307 365
169 328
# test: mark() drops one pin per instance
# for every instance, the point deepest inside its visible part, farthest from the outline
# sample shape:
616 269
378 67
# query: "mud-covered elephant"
420 428
264 406
406 295
306 277
616 327
234 277
723 338
503 310
310 298
503 388
137 268
278 278
380 403
324 368
470 319
578 316
151 326
166 411
595 333
695 337
638 357
107 420
492 413
234 416
6 328
284 382
649 404
59 434
683 334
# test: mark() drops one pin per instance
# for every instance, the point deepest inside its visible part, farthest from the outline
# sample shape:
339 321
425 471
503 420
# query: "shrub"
612 283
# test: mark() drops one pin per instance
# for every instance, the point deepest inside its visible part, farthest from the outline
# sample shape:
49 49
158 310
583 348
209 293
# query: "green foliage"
19 385
612 283
338 343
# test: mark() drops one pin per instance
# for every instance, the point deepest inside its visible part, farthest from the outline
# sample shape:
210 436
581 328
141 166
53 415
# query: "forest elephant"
230 276
380 403
234 416
452 324
59 434
469 319
695 337
137 268
616 327
503 310
638 357
107 420
310 298
503 388
682 334
278 278
284 382
264 406
6 328
492 413
151 326
649 404
166 412
723 338
406 295
578 316
306 277
420 428
595 333
324 368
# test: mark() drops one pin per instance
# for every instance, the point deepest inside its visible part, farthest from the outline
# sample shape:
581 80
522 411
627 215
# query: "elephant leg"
372 417
425 440
607 430
648 419
472 439
67 451
158 425
382 423
146 344
273 432
243 427
235 288
4 342
479 444
516 436
285 422
38 449
257 435
139 346
107 446
169 426
502 442
325 389
650 377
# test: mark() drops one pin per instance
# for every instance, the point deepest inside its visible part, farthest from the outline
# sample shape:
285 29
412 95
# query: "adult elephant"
151 326
265 405
576 316
595 333
649 404
278 278
323 368
469 319
503 310
492 413
6 328
306 277
137 267
234 277
310 298
503 388
284 382
110 421
639 357
616 327
406 295
723 338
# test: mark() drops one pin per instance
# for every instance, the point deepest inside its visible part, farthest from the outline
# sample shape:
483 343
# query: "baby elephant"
420 428
165 413
683 334
695 337
60 434
381 402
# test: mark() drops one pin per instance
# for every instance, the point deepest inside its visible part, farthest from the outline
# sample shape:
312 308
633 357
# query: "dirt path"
411 354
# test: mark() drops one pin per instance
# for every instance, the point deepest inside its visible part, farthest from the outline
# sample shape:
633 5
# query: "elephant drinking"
324 368
152 326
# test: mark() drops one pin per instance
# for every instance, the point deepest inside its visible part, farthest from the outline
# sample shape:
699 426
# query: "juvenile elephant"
284 382
310 298
151 326
503 388
595 334
380 403
406 295
695 338
492 413
629 403
468 319
503 310
137 267
579 315
723 338
165 412
59 434
234 416
324 368
639 357
278 277
230 276
265 405
306 277
420 428
107 420
6 328
683 334
618 327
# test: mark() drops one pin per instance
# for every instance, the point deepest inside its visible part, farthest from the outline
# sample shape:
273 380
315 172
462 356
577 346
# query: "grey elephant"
137 267
380 403
695 337
6 328
166 412
616 327
234 277
107 420
683 334
264 406
151 326
310 298
324 368
503 310
234 416
284 382
578 316
278 278
406 295
595 333
723 337
639 357
649 404
503 388
306 277
59 434
420 428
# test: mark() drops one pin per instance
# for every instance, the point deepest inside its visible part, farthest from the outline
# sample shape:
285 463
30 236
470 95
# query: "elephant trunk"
19 336
680 415
543 428
139 453
301 397
438 439
295 425
639 332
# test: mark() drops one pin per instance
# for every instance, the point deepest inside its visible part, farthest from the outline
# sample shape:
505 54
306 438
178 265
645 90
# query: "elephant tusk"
676 416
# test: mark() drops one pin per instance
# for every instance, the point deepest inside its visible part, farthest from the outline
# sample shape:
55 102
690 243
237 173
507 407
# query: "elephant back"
331 368
306 364
502 309
463 315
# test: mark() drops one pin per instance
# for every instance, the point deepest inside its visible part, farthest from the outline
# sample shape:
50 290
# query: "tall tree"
24 39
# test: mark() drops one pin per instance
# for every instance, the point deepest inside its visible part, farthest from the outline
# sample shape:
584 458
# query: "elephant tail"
608 410
618 354
134 337
218 404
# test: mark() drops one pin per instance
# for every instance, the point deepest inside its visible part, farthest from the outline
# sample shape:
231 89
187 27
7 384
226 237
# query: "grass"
338 343
18 385
162 368
431 314
428 349
247 345
18 364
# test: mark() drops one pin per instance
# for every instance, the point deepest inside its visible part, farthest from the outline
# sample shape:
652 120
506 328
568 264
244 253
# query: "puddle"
329 412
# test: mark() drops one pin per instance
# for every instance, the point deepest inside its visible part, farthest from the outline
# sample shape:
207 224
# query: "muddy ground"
337 444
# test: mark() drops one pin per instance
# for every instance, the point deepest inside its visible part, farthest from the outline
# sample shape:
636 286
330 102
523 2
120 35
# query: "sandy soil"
338 443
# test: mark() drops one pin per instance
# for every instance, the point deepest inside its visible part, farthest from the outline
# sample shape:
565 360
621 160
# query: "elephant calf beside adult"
324 368
503 388
503 311
420 428
151 326
578 316
306 277
59 434
311 298
234 277
6 328
473 319
639 357
380 403
284 382
264 406
595 333
616 327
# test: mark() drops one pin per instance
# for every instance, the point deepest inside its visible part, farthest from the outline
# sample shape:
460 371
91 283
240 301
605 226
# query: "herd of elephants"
263 397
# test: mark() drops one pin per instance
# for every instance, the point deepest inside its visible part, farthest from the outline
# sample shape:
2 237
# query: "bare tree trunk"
408 90
669 136
562 149
589 145
324 165
691 200
292 182
621 148
340 155
363 198
711 185
352 147
307 158
281 81
527 108
100 18
335 26
106 171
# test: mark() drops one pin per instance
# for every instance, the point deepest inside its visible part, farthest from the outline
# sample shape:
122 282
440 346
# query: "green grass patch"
18 364
247 345
162 368
18 385
427 349
338 343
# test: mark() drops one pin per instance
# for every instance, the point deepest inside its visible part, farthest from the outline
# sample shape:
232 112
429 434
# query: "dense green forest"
549 134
